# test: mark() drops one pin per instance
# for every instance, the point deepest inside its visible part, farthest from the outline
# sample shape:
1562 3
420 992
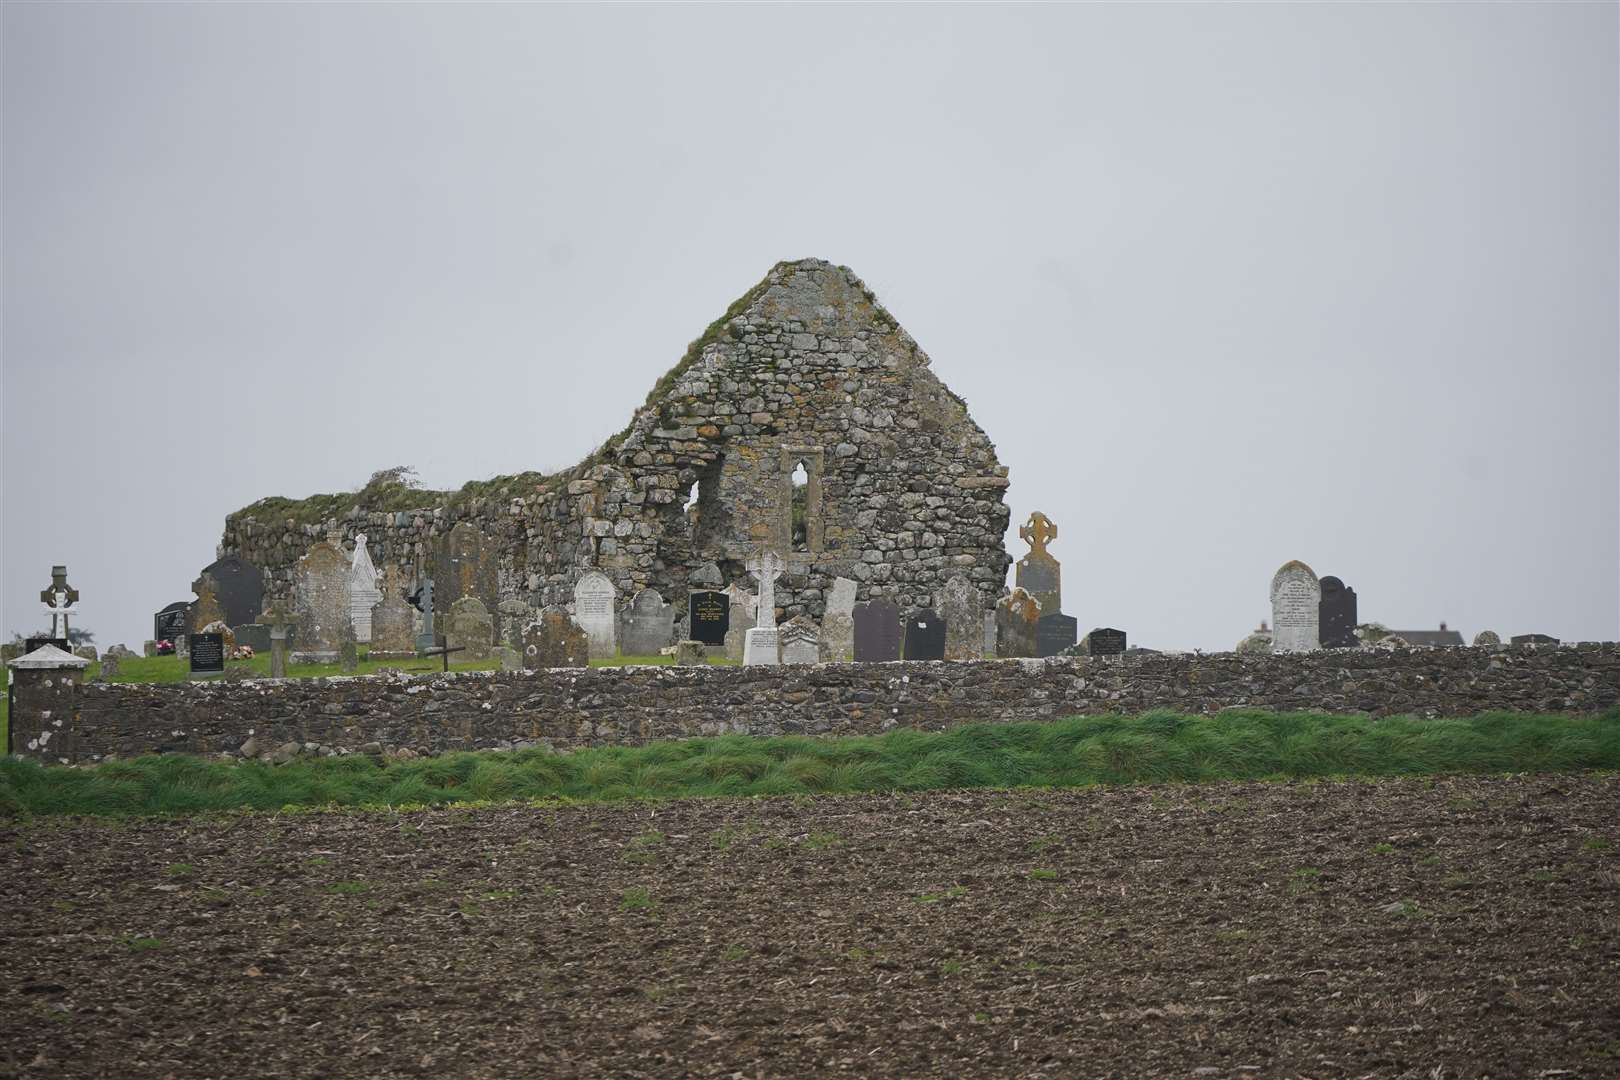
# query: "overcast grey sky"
1226 285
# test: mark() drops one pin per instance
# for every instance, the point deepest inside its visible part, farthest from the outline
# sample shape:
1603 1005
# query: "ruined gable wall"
904 491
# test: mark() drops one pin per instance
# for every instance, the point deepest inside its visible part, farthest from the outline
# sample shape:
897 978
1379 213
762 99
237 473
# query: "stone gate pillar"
44 699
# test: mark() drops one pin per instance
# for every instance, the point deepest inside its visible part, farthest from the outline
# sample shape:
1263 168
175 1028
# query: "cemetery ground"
1416 926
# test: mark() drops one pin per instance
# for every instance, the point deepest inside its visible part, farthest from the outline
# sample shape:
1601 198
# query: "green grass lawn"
1157 747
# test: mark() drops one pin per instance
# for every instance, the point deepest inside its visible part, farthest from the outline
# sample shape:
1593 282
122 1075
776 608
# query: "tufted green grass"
1157 747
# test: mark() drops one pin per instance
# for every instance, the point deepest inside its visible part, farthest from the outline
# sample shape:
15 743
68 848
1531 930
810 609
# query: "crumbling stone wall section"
806 370
568 708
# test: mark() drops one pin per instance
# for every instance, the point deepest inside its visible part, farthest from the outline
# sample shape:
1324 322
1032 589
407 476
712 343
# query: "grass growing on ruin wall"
1154 748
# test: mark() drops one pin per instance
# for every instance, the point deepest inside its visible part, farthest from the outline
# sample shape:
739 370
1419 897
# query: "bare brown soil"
1455 928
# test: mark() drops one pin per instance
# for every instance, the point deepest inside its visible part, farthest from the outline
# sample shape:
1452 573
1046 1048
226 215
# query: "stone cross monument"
760 642
363 592
60 600
1038 573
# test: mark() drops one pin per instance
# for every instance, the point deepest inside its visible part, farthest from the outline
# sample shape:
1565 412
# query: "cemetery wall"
575 707
902 490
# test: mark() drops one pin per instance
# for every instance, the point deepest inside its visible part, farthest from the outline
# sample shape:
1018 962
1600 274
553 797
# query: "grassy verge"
1157 747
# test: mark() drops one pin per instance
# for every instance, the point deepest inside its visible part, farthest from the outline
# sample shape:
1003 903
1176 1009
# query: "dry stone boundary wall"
574 707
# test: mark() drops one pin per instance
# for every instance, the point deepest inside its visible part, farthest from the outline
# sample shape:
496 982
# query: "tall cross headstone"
423 599
760 644
60 600
280 619
363 592
1038 572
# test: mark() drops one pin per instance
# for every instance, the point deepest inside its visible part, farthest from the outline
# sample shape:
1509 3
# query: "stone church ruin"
804 421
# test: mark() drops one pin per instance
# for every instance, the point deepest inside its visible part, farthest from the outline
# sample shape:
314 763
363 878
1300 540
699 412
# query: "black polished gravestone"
1336 615
1055 632
877 632
1106 641
925 635
708 616
39 642
170 623
240 589
207 654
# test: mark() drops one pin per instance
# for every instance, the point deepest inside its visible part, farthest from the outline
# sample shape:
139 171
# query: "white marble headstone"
1296 602
363 591
594 597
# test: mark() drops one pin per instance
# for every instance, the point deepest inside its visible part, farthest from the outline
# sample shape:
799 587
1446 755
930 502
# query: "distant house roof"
1430 639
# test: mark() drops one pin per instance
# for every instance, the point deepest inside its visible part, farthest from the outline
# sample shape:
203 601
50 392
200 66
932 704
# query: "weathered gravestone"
708 616
207 655
422 601
594 597
554 641
363 592
924 636
1296 605
877 632
691 654
471 628
838 623
962 608
465 564
801 641
238 587
1336 615
280 620
393 620
1105 641
1487 637
646 625
744 605
321 602
255 636
514 616
707 576
1038 572
1017 616
1056 632
761 644
206 609
510 658
169 623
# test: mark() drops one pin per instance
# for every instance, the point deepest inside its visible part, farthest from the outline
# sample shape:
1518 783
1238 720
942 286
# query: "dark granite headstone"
239 587
39 642
708 614
1336 621
1533 639
925 635
877 632
170 623
1106 641
255 636
1055 632
207 654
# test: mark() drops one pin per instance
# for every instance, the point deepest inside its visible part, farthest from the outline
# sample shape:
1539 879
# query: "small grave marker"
207 655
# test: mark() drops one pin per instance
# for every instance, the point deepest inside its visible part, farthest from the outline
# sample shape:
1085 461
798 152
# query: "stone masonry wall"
567 708
903 492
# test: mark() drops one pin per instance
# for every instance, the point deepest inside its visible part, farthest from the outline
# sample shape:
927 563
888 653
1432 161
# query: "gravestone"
510 658
1533 639
280 620
422 601
348 651
1296 605
363 591
708 616
877 632
1056 632
838 623
1487 637
761 644
239 589
1106 641
1038 572
60 600
990 632
207 655
465 565
961 606
924 636
206 609
707 576
691 654
169 623
255 636
1018 615
594 597
393 620
1336 615
647 624
801 641
471 628
554 641
514 616
109 666
321 603
742 609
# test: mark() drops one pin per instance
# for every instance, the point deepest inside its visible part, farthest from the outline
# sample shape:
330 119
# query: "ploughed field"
1445 927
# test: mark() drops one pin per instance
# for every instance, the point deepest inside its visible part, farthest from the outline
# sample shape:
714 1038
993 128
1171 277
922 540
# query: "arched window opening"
801 499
